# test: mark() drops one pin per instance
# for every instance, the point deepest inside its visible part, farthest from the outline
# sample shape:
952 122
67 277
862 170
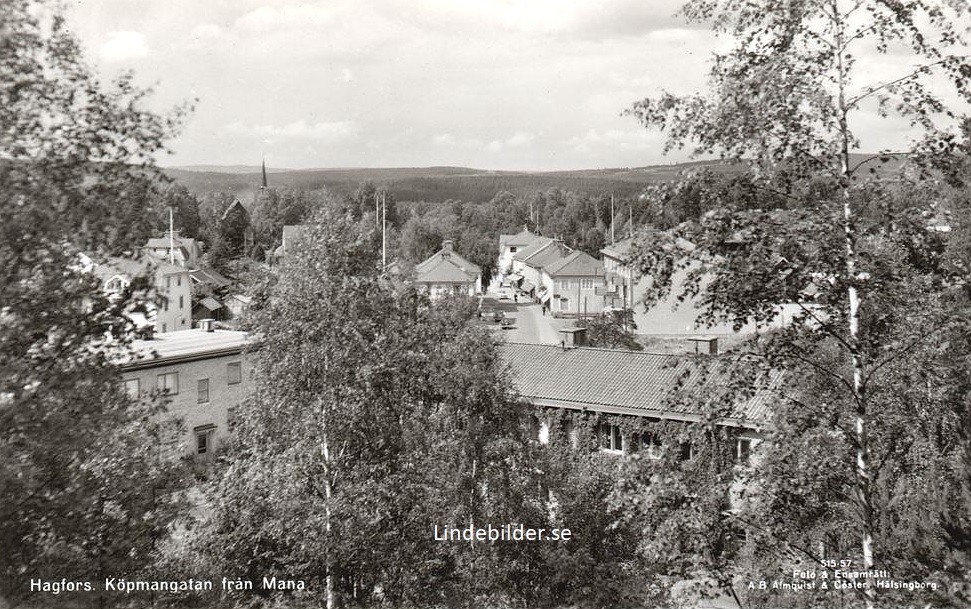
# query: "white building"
168 289
446 273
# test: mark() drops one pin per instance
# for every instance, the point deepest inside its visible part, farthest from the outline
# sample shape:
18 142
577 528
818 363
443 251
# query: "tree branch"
851 103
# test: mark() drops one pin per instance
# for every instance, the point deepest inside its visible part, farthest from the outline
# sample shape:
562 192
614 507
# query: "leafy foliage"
84 490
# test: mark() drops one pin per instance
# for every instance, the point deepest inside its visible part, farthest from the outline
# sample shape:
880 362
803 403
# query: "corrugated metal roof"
633 382
210 303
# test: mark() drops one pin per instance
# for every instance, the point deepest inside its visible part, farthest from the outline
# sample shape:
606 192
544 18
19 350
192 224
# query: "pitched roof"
523 254
576 264
445 266
206 275
210 303
451 258
131 267
236 204
542 254
618 250
621 250
632 382
522 238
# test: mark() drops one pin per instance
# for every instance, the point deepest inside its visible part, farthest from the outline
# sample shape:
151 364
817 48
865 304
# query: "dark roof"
236 204
631 382
576 264
205 275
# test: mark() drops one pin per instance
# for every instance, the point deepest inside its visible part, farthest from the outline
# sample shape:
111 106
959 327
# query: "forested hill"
436 183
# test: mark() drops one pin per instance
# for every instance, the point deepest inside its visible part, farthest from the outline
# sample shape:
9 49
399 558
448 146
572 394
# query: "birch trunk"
863 473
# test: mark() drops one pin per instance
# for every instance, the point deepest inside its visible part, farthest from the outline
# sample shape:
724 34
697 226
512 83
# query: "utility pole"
171 237
612 237
384 230
630 225
376 214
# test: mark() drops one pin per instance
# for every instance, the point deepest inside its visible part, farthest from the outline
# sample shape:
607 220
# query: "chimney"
207 325
447 246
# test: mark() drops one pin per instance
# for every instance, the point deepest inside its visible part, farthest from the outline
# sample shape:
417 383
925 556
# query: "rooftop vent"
207 325
574 337
705 344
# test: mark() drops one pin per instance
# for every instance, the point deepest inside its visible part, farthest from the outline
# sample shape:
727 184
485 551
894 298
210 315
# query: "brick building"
205 373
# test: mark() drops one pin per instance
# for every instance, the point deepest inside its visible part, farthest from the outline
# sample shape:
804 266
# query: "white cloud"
272 18
596 142
520 139
123 46
331 133
444 139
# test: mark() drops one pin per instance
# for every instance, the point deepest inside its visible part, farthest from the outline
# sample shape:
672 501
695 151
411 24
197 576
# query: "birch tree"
787 100
378 416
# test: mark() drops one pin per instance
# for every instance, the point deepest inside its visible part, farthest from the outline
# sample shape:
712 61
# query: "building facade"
574 285
446 273
622 390
203 375
509 246
169 293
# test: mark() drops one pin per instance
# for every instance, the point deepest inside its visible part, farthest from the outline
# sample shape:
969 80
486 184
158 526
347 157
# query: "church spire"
264 186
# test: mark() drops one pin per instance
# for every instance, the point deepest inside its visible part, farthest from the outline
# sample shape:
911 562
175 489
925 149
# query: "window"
204 443
169 383
744 450
168 282
564 304
133 387
181 302
178 281
686 451
234 373
649 443
165 303
586 284
203 391
165 327
533 427
231 420
610 437
563 284
569 431
512 249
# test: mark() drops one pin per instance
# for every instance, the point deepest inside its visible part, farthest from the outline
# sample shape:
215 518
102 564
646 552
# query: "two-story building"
510 245
528 263
574 285
169 289
174 248
204 374
446 273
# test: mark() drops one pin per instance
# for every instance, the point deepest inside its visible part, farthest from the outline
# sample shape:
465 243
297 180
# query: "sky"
490 84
